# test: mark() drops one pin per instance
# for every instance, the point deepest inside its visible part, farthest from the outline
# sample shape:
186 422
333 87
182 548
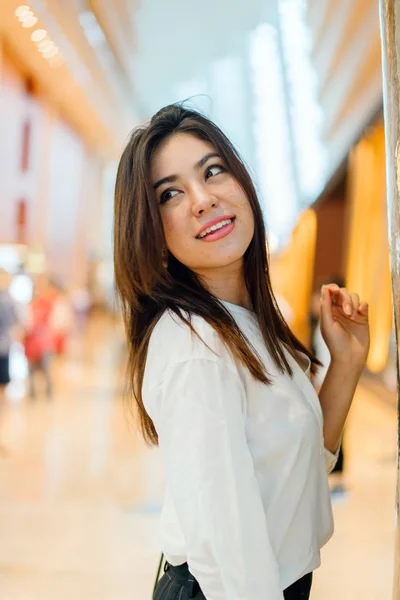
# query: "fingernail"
347 309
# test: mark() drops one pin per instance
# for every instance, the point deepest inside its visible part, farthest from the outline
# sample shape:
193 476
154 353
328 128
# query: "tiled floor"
80 493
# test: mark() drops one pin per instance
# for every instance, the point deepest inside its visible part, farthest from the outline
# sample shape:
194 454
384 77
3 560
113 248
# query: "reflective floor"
80 493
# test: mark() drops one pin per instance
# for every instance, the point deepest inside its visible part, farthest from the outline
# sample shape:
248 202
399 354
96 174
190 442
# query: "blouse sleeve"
331 458
211 479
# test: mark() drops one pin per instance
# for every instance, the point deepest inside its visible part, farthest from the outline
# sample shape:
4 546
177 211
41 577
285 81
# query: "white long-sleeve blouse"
247 502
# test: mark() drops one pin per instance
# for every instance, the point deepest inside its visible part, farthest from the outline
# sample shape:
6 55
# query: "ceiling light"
29 21
45 45
22 10
51 52
38 35
26 15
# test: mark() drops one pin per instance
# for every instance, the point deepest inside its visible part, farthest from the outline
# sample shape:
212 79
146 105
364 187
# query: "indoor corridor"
81 493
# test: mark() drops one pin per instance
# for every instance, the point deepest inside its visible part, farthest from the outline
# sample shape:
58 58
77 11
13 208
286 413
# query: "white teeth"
215 227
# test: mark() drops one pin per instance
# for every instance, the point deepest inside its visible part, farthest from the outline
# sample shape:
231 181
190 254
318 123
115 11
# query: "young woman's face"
207 219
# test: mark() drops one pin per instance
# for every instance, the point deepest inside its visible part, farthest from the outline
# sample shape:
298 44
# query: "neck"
227 283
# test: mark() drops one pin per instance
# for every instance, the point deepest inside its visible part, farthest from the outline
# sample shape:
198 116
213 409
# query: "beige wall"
292 274
61 187
12 111
368 264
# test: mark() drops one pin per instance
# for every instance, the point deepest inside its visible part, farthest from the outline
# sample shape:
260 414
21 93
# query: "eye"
214 170
167 195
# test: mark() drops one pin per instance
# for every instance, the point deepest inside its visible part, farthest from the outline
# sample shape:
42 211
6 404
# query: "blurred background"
296 85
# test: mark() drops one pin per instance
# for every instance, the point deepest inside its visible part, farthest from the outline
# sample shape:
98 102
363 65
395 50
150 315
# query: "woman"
219 380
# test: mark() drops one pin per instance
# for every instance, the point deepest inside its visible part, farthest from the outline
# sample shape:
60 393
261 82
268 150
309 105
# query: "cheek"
250 219
175 231
237 198
240 201
169 225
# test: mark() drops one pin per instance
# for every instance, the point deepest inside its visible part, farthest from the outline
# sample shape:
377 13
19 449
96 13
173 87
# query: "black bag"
158 572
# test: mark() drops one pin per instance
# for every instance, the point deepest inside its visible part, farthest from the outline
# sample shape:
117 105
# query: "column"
390 34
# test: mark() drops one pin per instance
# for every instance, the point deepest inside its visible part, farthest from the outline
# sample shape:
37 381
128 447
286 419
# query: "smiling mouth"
214 228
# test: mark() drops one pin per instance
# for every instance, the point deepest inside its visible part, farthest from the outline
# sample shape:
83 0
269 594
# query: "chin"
219 262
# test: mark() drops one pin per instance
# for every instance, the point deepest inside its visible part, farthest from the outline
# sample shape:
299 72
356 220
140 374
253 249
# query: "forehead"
178 154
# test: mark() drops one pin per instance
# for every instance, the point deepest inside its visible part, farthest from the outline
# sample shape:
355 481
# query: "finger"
333 287
326 306
363 309
356 303
344 301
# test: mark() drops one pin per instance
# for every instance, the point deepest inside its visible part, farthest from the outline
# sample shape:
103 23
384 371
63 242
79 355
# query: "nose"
202 200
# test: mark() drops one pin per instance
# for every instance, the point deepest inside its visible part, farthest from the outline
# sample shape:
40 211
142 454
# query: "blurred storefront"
56 151
347 240
343 234
44 164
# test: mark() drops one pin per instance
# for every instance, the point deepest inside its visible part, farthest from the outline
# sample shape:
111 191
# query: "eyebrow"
198 165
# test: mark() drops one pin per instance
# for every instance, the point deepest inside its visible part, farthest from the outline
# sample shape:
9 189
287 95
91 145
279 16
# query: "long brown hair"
150 280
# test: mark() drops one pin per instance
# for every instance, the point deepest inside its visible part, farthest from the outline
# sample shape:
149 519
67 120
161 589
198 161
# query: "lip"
214 222
220 233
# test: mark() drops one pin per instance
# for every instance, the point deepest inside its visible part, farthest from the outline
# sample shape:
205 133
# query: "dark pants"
4 370
178 583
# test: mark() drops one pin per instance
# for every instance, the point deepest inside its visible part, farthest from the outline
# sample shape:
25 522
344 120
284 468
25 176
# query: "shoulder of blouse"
173 342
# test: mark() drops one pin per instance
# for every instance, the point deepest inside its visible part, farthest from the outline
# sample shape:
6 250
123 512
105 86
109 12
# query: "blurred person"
39 339
8 321
61 318
320 350
220 382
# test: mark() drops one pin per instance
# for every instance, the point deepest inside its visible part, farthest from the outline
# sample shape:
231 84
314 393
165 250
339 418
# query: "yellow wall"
292 273
368 270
